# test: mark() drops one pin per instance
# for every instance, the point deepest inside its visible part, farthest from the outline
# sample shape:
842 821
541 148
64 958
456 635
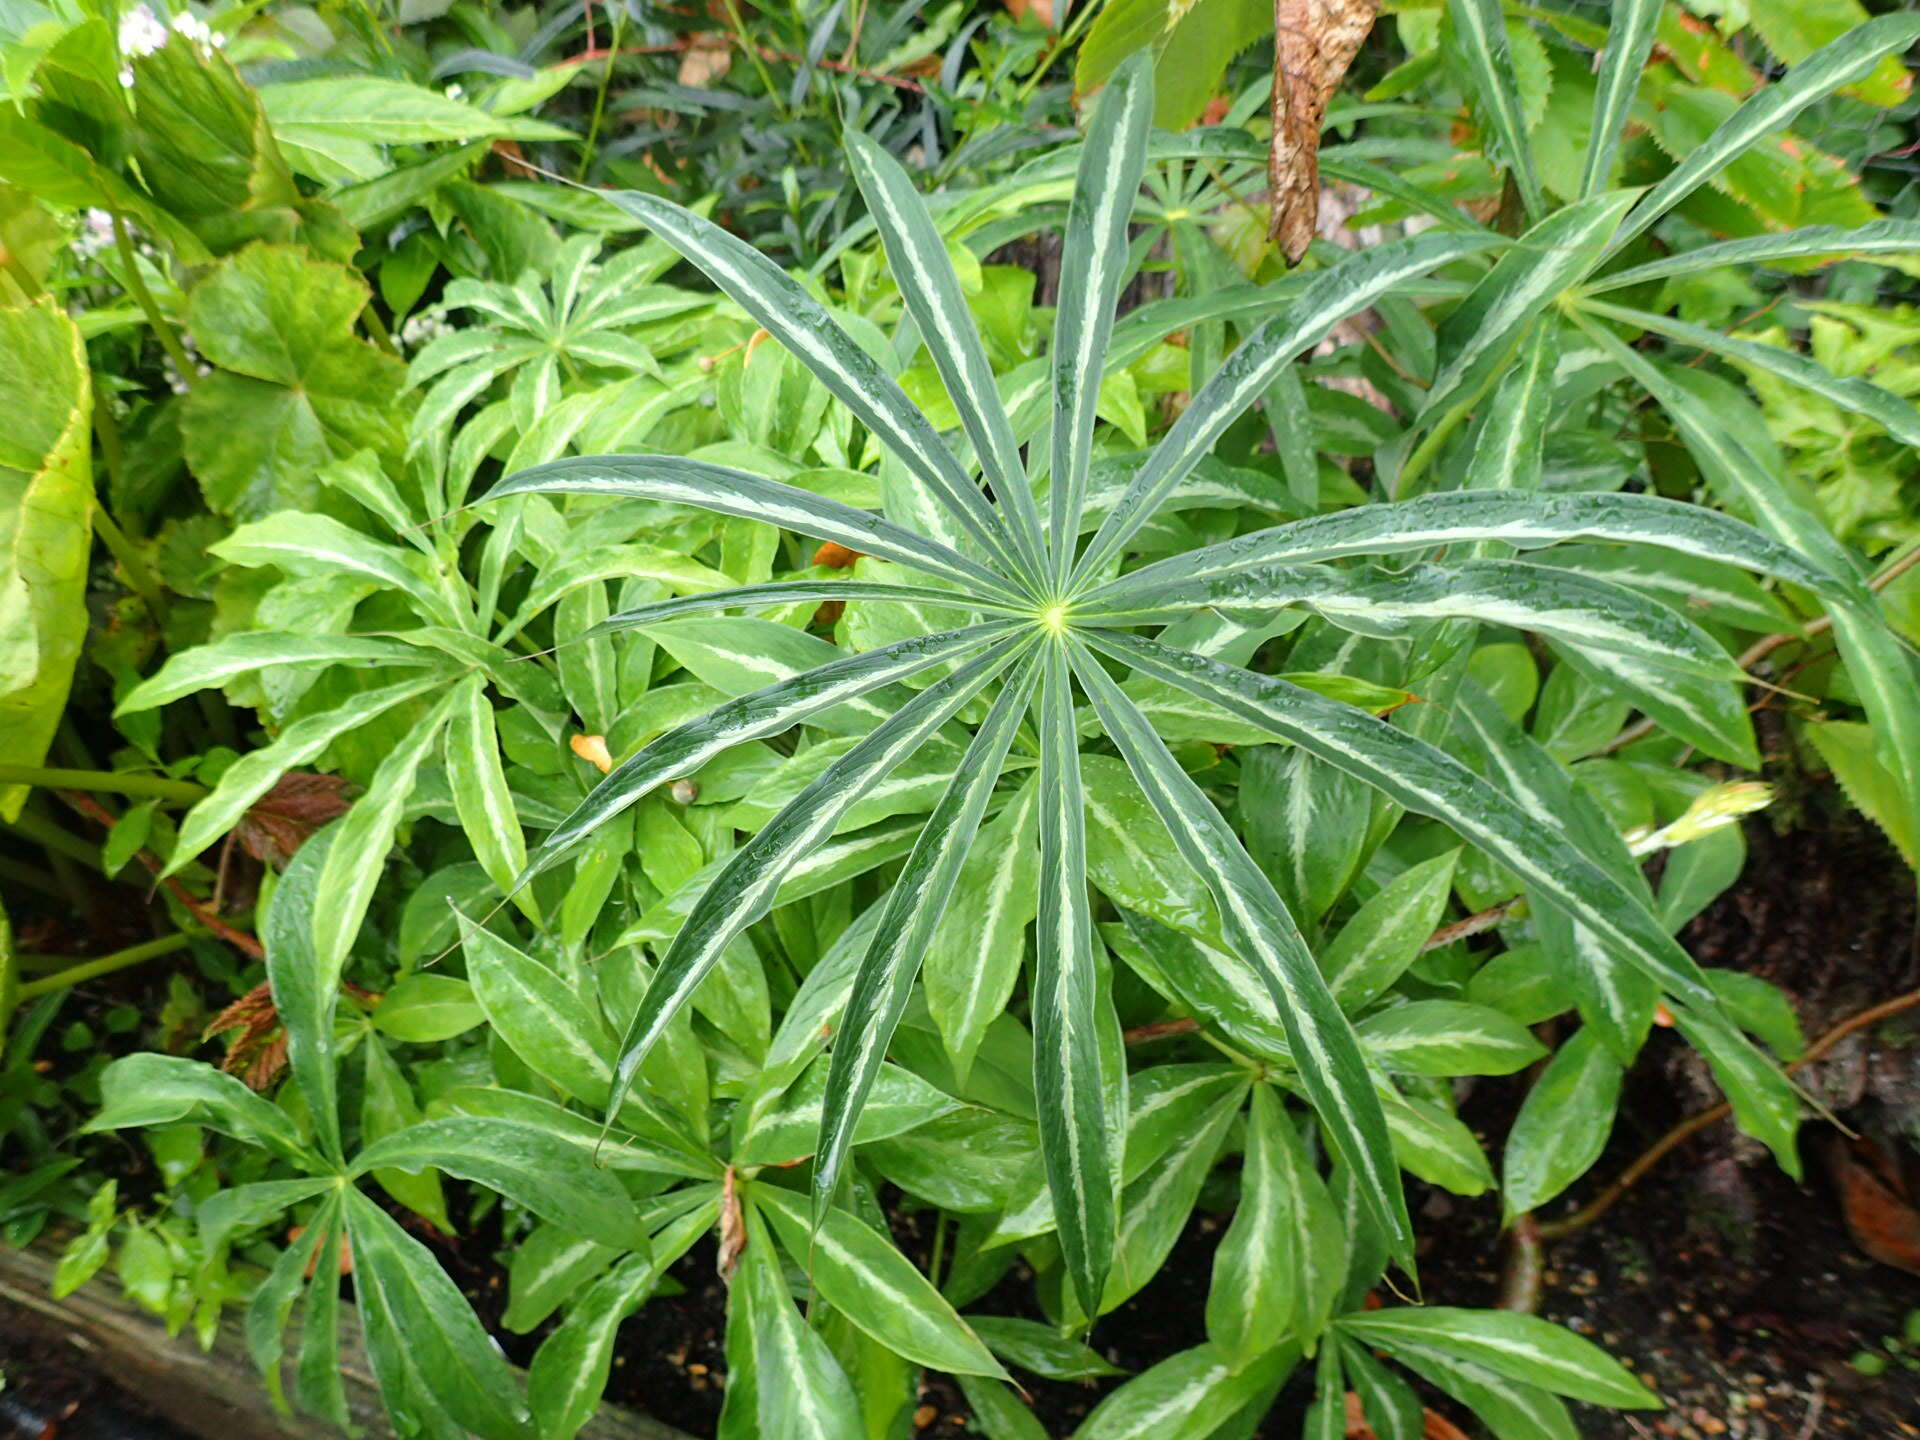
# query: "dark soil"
51 1391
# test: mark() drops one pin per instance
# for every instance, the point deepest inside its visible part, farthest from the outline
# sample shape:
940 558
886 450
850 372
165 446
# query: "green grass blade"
1480 30
1328 299
1852 57
908 918
679 481
917 255
1066 1047
784 309
1629 42
1094 260
1256 923
745 888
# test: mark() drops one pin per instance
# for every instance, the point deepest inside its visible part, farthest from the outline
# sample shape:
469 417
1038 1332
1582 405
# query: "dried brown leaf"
1873 1197
1314 43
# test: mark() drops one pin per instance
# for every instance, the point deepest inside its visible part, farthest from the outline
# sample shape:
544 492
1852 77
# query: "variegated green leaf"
1479 28
1812 242
789 592
1067 1081
1521 1347
918 257
1329 298
1093 263
908 916
785 310
480 795
680 481
746 887
1256 923
1842 62
1630 32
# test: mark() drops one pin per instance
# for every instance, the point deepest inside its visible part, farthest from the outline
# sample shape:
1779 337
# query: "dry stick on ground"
1706 1119
239 939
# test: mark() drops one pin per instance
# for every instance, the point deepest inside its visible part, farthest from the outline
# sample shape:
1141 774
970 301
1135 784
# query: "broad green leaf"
1029 1345
753 716
1328 298
362 840
265 1325
385 111
1388 1403
387 1106
481 798
1630 33
1388 932
998 1412
303 544
800 323
249 652
715 488
1093 262
862 1275
1765 1103
1157 1201
801 1393
256 772
1067 1082
1563 1123
969 1162
415 1317
1187 1396
1511 1409
1446 1038
1479 29
920 893
1812 242
932 293
786 1127
1521 1347
293 387
145 1090
570 1369
1704 711
522 1162
636 1143
46 509
1845 61
1305 824
746 887
1430 1141
548 1268
1259 929
974 957
306 993
1282 1263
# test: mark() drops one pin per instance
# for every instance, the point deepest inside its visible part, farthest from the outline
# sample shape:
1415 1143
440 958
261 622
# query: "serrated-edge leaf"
1842 62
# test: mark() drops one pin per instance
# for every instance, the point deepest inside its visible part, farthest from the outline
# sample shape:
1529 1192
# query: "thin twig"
1706 1119
197 908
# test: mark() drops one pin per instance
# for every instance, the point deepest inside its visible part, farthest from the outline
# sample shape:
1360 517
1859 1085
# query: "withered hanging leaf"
279 822
1876 1202
1313 44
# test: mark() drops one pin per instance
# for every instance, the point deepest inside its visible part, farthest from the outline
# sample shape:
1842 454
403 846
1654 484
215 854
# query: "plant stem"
51 838
112 782
616 19
31 876
132 563
105 965
377 328
162 328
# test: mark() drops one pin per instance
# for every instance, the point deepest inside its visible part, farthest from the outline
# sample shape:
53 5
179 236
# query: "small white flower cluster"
423 329
95 235
176 382
142 32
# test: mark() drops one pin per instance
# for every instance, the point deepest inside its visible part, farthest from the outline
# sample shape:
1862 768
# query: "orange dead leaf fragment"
733 1228
834 556
708 57
1314 43
593 750
1877 1202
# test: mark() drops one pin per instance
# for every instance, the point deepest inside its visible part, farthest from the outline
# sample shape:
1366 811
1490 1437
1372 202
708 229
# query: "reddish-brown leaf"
1876 1202
1314 43
279 822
